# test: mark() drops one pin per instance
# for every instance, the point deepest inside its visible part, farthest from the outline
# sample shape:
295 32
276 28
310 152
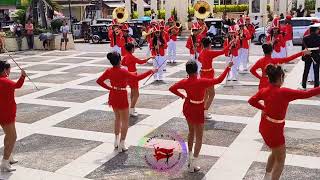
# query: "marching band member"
250 27
232 54
276 39
118 98
203 27
288 34
158 47
193 107
125 38
115 35
205 58
244 36
130 62
194 44
8 110
164 33
274 107
172 46
266 60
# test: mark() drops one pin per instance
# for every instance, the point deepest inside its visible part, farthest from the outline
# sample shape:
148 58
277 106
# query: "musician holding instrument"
125 39
8 110
173 31
194 44
232 55
276 39
158 48
115 35
244 37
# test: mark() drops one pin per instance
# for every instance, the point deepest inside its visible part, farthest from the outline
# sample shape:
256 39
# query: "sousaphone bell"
202 9
121 14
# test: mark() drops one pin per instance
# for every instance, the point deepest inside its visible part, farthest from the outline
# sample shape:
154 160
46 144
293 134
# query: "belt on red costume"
197 102
118 88
206 70
277 121
133 72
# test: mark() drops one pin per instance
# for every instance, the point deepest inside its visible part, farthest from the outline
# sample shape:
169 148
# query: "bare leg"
124 117
270 163
190 137
117 123
134 95
210 93
9 139
280 156
65 45
199 134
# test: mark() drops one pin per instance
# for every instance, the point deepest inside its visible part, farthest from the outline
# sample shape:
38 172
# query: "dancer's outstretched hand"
306 52
230 64
23 73
155 70
152 57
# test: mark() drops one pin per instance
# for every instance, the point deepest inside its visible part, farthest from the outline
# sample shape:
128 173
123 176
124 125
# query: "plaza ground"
65 130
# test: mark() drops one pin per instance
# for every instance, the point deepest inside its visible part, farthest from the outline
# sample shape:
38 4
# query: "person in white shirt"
317 14
64 37
256 22
212 30
130 31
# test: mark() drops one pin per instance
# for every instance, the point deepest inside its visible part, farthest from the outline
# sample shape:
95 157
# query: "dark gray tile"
221 66
301 142
232 108
43 67
86 69
257 171
90 83
132 165
15 75
30 113
50 153
94 120
216 133
309 113
153 101
57 78
162 86
27 89
96 54
73 95
72 60
103 62
6 57
237 90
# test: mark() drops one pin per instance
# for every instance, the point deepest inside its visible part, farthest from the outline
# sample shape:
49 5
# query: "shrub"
231 8
161 14
135 15
20 16
56 24
147 13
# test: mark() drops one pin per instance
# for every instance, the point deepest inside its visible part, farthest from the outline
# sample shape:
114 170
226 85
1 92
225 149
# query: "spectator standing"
2 35
29 34
64 36
18 33
256 22
300 11
153 15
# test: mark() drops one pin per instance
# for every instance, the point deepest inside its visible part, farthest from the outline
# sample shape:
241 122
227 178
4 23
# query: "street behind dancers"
118 97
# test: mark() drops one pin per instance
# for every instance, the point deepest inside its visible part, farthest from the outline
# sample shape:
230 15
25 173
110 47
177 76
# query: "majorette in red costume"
115 35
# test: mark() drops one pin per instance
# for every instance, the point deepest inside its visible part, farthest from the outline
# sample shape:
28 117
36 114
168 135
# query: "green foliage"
56 24
38 31
135 15
174 13
10 34
147 13
310 4
231 8
20 16
161 14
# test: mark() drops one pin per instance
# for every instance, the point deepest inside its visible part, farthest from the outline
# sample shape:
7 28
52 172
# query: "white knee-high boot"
5 166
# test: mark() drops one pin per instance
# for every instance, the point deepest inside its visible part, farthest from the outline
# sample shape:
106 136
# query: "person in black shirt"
311 41
300 11
18 33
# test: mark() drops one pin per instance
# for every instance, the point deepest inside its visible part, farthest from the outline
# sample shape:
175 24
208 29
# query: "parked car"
104 21
300 26
99 33
218 38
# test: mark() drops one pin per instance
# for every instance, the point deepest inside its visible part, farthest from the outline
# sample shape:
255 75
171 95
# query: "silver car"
300 26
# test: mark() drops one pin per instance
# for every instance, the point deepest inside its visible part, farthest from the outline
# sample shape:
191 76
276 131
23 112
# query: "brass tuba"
202 9
121 14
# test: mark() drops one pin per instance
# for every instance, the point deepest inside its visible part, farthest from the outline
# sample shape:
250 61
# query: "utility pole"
70 17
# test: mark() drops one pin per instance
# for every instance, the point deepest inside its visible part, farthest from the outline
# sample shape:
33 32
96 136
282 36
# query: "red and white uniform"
8 107
244 46
276 101
203 26
264 62
172 46
206 58
123 41
278 41
115 40
160 60
232 55
130 62
250 27
195 88
119 78
288 34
